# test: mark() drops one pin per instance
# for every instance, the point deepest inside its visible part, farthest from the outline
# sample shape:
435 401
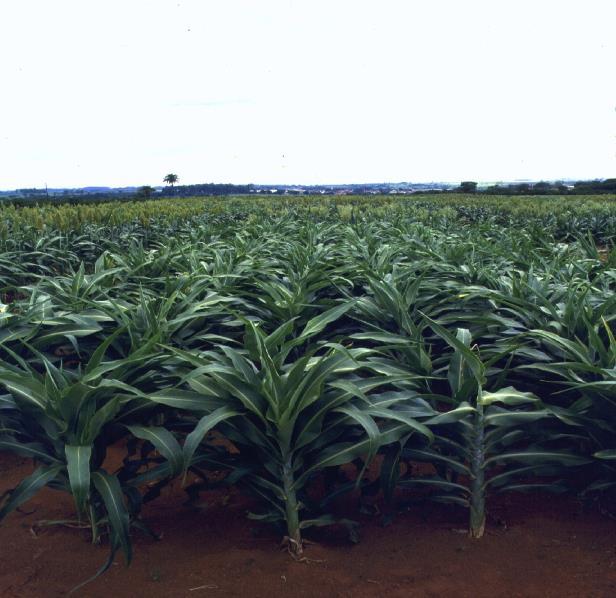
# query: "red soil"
549 548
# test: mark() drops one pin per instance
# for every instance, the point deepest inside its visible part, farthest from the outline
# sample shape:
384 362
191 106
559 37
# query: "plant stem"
292 510
477 514
93 526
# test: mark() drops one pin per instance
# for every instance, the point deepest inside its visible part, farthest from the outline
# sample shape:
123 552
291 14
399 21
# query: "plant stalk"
294 537
477 513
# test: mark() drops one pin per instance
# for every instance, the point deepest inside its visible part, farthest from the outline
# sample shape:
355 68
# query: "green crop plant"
66 420
294 408
486 441
584 369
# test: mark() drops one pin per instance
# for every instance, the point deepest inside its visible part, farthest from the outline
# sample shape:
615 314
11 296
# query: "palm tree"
171 179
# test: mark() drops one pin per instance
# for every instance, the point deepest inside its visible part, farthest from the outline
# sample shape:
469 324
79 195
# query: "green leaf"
25 386
98 355
205 424
318 323
108 486
345 452
457 370
83 327
606 454
430 456
401 416
100 418
539 457
184 399
458 344
28 487
452 416
508 396
32 450
435 482
514 418
390 471
78 467
370 428
164 442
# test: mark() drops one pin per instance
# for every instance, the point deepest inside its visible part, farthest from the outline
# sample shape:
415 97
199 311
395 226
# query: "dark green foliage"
477 337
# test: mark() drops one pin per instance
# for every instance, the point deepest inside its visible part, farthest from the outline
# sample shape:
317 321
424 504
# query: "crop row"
564 216
310 341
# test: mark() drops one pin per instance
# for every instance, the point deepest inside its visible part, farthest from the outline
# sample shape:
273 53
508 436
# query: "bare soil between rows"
549 547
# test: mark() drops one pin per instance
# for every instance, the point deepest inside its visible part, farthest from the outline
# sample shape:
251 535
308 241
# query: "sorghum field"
300 396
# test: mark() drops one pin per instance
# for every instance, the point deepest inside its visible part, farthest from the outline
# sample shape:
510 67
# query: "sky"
117 92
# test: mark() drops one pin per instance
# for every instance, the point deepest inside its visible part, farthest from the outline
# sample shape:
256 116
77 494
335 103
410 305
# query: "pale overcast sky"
121 92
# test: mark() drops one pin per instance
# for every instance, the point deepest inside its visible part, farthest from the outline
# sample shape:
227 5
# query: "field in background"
560 213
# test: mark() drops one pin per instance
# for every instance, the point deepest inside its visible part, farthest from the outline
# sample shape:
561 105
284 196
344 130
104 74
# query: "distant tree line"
146 192
605 186
541 188
205 189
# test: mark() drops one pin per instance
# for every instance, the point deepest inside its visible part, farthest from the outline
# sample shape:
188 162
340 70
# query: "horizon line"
423 182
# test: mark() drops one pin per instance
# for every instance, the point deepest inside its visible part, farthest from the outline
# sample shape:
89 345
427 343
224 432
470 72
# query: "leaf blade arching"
164 442
78 468
205 424
110 490
28 487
